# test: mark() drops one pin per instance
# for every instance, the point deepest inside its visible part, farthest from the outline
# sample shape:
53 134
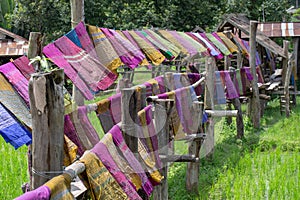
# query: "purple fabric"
16 78
231 92
41 193
23 65
192 51
85 40
115 107
259 75
103 154
213 50
129 156
194 77
257 58
126 57
163 96
248 73
161 84
97 76
138 56
57 57
87 126
71 133
149 89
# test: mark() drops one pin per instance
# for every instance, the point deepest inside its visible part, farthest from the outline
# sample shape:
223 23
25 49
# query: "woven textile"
70 151
125 55
212 49
12 131
104 49
71 133
174 50
100 182
16 78
219 95
72 35
230 45
160 81
148 49
107 159
168 54
97 76
239 43
85 40
23 65
115 107
144 62
257 58
13 102
231 91
200 48
130 157
40 193
104 115
214 38
57 57
60 187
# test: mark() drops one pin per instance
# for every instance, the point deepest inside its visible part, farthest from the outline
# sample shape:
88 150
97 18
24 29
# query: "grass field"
263 165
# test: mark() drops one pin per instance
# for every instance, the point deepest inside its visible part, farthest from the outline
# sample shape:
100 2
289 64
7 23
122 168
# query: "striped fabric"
200 48
212 49
23 65
219 95
218 43
100 182
57 57
60 187
230 45
155 56
231 92
16 78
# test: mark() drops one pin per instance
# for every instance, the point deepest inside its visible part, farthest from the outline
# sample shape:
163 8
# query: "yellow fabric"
149 163
153 54
70 151
229 44
107 140
104 49
101 183
103 105
173 40
5 86
60 187
155 86
241 45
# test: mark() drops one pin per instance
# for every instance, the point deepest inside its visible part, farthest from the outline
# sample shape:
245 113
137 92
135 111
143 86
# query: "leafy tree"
6 7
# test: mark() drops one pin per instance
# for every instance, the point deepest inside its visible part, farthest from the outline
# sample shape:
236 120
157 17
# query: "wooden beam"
222 113
254 101
47 109
35 48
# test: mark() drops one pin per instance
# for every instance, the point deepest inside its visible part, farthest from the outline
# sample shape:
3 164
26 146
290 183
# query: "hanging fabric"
60 187
219 95
231 92
214 38
40 193
230 45
104 115
22 63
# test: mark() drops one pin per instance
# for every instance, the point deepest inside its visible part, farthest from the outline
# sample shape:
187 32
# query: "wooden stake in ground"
47 109
254 100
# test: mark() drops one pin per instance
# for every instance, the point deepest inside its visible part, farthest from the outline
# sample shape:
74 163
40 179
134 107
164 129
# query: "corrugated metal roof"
277 29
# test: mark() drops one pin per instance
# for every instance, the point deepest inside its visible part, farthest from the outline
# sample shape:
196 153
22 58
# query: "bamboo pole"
47 109
254 101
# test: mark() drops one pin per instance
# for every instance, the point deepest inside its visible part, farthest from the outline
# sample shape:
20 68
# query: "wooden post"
254 100
286 87
35 47
128 118
193 168
210 67
239 118
285 60
47 109
161 117
77 15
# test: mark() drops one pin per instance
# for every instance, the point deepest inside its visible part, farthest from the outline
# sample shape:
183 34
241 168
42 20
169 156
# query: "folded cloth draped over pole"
23 65
230 45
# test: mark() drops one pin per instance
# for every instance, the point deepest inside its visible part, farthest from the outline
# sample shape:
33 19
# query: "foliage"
6 7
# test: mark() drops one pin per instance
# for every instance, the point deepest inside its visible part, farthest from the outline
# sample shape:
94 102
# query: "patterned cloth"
168 54
60 187
230 45
12 131
115 107
160 81
104 49
240 44
200 48
148 49
89 69
104 115
72 35
12 101
17 79
212 49
57 57
129 156
231 92
214 38
23 65
257 58
70 151
219 95
71 133
174 50
100 182
40 193
107 159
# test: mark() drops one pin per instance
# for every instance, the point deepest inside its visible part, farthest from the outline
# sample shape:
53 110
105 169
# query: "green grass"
13 170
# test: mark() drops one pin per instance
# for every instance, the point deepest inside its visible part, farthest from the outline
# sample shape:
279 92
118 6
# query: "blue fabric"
205 117
12 131
72 35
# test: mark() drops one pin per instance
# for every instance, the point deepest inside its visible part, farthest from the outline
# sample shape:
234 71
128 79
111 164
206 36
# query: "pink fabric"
41 193
22 64
115 107
103 154
57 57
231 92
85 40
16 78
192 51
161 84
132 161
214 50
97 76
126 57
88 128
